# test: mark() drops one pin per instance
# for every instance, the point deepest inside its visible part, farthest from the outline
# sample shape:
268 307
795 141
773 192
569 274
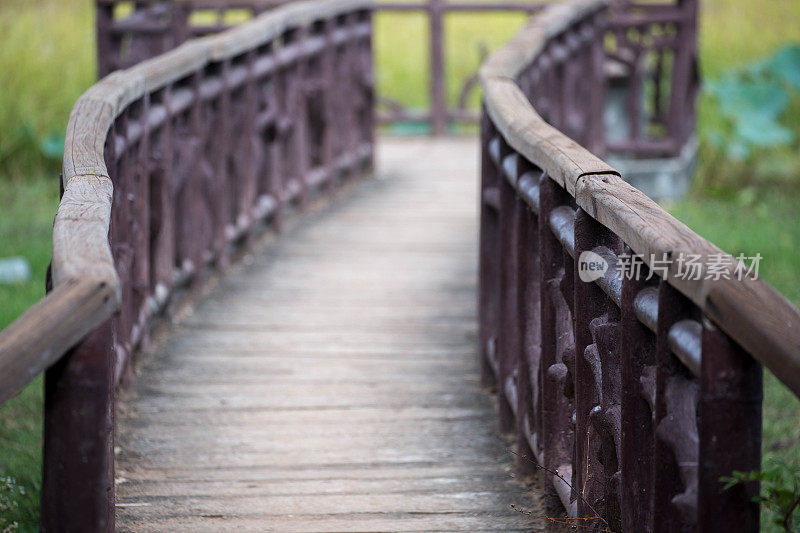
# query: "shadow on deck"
330 381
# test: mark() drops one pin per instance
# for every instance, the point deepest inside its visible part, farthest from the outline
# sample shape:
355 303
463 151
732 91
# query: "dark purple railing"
634 393
649 51
627 391
171 167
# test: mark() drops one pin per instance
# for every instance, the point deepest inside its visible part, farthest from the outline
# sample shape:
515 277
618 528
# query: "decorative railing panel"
648 58
627 390
651 51
170 167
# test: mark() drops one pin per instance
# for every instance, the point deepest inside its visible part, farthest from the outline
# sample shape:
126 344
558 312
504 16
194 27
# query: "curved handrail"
86 287
750 311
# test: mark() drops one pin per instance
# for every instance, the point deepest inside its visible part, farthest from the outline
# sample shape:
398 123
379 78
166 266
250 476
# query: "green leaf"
764 98
785 65
761 130
52 146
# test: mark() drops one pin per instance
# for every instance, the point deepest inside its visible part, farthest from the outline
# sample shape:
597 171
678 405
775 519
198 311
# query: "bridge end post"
78 465
729 427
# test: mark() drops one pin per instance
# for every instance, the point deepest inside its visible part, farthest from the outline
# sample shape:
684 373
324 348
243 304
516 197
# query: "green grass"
21 456
734 33
47 60
403 69
25 230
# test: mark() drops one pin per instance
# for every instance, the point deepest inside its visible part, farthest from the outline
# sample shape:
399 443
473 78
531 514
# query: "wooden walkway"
331 383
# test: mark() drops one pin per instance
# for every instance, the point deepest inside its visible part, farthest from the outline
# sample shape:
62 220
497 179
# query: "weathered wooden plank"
297 397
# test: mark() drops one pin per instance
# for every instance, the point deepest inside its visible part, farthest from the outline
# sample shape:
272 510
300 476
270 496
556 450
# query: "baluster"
568 87
683 73
328 86
529 335
179 22
638 399
291 177
369 106
597 92
141 253
265 132
489 276
163 231
250 155
224 154
277 159
297 111
122 216
596 352
729 419
436 9
193 214
302 135
508 334
557 350
675 458
557 79
635 88
107 52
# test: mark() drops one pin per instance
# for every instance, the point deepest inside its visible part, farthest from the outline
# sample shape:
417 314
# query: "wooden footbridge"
331 383
260 317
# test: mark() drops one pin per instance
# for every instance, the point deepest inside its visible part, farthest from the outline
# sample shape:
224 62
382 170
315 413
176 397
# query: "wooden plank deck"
332 383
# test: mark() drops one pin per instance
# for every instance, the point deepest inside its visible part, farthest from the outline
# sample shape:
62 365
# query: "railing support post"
507 328
636 440
556 408
528 331
78 467
488 298
729 419
438 96
596 322
107 53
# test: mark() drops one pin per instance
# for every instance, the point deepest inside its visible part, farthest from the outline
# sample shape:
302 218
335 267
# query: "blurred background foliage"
745 197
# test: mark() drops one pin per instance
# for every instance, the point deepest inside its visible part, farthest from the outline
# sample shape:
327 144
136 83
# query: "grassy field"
47 60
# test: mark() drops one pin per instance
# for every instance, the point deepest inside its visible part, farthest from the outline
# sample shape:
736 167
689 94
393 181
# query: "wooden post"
78 465
488 290
107 54
508 332
638 366
729 416
593 311
438 97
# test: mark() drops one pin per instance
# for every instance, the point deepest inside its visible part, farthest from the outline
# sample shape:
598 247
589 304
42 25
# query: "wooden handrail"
86 286
169 166
754 314
51 327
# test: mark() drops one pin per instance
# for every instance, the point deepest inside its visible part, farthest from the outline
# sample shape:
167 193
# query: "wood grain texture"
39 337
332 385
564 160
